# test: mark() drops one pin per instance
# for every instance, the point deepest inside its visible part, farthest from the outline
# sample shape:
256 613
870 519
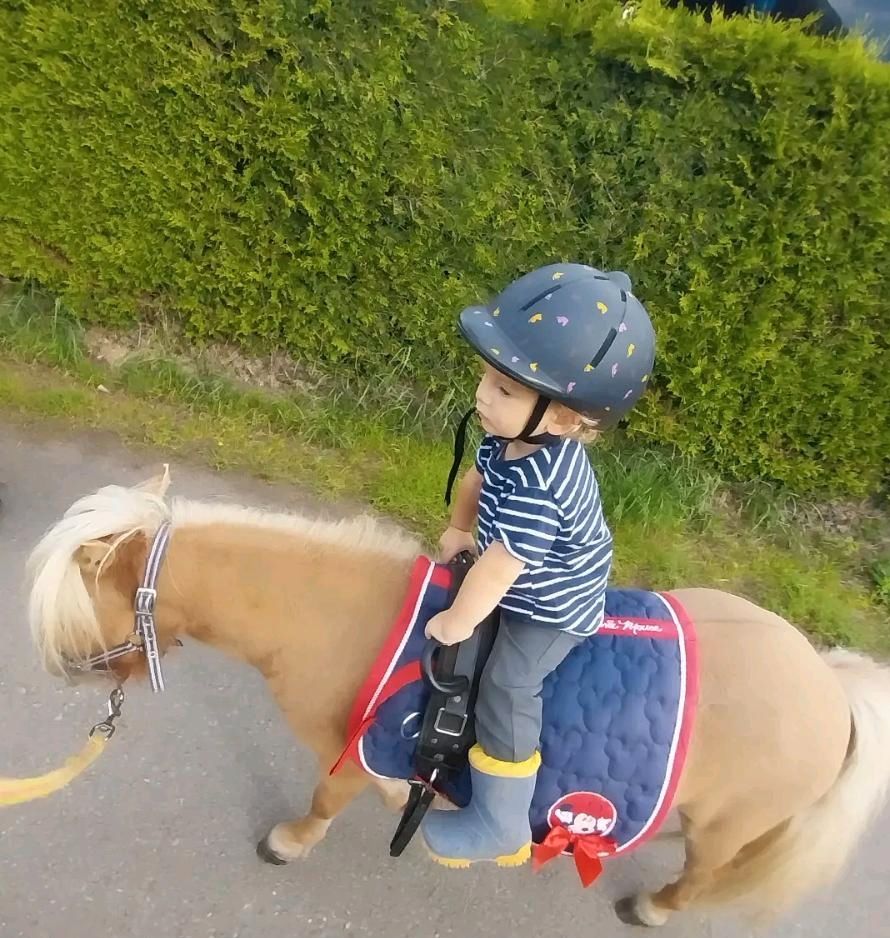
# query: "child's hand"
453 541
448 628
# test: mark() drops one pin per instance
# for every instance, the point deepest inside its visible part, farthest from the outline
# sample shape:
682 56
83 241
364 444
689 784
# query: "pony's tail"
812 848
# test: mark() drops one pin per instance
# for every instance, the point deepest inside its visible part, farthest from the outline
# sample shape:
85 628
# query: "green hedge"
340 177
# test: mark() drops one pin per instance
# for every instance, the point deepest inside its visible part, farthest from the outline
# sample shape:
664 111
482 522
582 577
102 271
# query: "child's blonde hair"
586 433
586 429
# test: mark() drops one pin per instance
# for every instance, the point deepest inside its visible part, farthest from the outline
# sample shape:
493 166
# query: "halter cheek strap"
527 436
145 638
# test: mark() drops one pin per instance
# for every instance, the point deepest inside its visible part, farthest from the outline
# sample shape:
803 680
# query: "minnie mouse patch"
580 824
584 813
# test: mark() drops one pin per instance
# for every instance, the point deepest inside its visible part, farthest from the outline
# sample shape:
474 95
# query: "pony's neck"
310 615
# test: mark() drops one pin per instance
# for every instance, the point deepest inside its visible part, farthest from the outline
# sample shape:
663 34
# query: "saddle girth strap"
419 801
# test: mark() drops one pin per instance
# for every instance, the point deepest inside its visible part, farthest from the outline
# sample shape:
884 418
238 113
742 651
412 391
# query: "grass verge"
675 522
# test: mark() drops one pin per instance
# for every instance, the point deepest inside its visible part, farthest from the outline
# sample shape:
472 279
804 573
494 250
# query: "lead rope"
20 790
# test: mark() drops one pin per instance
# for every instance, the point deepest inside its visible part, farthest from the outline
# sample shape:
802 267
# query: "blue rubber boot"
495 825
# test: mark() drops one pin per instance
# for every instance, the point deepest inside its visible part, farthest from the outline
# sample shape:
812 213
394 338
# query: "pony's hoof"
267 854
626 910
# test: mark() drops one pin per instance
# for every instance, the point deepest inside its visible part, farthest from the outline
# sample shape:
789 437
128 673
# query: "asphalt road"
158 838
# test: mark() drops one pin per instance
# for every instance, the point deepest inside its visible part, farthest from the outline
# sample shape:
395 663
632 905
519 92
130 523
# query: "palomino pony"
790 756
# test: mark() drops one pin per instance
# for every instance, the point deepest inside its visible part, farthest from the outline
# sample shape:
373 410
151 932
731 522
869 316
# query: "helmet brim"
478 327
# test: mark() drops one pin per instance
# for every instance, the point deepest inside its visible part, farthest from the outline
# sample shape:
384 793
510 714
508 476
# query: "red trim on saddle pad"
382 683
689 645
685 632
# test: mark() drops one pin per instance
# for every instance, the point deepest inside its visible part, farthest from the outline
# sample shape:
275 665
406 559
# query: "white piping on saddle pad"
678 728
409 631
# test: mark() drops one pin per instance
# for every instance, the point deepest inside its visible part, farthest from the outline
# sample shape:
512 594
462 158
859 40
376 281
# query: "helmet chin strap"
526 436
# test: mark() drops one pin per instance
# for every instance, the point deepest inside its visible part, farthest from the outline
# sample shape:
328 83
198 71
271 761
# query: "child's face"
503 404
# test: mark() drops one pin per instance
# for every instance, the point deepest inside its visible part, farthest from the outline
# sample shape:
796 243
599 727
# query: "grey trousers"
509 707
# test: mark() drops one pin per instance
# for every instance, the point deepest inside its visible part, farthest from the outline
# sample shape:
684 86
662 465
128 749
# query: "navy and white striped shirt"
545 509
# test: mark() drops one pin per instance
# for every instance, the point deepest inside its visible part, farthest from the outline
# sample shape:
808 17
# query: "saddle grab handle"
451 688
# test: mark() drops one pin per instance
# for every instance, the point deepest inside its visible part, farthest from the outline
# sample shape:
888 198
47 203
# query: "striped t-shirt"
545 509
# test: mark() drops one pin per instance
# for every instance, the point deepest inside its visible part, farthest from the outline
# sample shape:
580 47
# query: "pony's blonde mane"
362 532
63 621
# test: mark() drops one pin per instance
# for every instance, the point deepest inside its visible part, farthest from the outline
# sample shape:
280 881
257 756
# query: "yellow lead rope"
20 790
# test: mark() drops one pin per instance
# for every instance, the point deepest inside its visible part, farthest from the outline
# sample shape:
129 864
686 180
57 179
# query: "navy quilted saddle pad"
618 714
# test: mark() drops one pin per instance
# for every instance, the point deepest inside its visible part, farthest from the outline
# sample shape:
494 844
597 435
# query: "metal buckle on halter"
145 600
440 728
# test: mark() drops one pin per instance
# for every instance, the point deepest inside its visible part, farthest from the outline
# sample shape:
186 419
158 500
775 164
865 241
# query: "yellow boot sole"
522 855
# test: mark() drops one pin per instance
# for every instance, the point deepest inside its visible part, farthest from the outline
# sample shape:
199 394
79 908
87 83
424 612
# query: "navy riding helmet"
574 334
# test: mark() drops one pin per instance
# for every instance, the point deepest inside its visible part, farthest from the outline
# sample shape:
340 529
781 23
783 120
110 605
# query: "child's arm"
483 588
458 535
466 502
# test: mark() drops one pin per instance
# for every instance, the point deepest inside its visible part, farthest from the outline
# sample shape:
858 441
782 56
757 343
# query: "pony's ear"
157 485
129 552
90 556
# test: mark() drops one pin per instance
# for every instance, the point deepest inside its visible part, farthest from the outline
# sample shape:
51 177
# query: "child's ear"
562 420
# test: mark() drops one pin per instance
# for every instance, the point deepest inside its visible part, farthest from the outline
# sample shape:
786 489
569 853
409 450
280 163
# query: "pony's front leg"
393 793
294 839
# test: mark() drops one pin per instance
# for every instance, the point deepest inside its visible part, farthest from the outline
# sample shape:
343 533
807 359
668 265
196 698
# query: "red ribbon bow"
586 849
